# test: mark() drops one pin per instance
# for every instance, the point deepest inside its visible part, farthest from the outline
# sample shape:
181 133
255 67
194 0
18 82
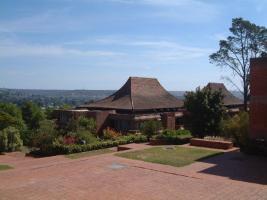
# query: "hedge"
56 149
172 137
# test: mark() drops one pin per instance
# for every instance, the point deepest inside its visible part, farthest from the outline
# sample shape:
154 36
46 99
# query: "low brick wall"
211 143
174 141
157 142
122 148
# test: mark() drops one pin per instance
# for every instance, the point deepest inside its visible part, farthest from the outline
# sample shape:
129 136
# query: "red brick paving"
229 176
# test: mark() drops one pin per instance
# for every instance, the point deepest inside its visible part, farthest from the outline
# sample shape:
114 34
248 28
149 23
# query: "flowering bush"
69 139
174 136
110 134
58 148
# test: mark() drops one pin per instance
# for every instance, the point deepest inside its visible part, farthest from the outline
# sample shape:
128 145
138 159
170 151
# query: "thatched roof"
229 99
138 94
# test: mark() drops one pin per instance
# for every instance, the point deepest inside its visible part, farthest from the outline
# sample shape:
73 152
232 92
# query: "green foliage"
27 136
32 115
45 134
150 128
5 167
10 140
174 136
85 137
10 115
82 123
206 110
174 133
110 134
237 128
57 148
88 124
49 113
131 138
72 126
65 107
247 41
3 141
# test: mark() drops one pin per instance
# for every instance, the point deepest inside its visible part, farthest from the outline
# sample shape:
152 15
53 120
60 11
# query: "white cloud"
160 2
12 49
107 52
193 11
42 22
157 49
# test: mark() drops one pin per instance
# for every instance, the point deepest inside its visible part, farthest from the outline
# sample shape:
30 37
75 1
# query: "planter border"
216 144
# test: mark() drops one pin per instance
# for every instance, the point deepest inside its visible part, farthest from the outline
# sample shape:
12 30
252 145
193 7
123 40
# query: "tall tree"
206 111
32 114
10 115
247 41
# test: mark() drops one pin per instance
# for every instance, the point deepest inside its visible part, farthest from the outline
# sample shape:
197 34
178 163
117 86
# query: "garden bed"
170 141
57 149
171 137
217 144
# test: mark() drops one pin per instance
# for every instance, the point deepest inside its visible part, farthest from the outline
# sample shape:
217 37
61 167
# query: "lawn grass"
5 167
176 156
88 153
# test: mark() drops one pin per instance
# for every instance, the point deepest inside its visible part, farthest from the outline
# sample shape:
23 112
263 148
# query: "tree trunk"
245 96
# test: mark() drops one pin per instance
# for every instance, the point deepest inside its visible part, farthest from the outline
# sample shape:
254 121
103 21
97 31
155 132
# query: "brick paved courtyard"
228 176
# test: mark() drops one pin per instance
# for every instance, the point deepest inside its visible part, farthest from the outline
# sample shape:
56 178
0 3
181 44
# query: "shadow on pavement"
238 166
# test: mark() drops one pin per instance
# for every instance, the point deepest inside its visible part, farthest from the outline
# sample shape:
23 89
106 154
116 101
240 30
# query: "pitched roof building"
138 100
138 95
229 100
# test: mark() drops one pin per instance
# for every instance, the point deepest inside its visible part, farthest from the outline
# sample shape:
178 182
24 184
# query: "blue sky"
98 44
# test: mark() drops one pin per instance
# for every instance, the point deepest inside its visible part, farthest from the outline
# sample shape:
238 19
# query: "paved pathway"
229 176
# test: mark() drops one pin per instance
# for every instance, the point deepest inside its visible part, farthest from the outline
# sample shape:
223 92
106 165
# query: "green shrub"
88 124
10 115
10 139
57 148
150 128
3 141
110 134
27 136
82 123
237 128
206 111
32 114
131 138
174 133
174 136
84 136
45 134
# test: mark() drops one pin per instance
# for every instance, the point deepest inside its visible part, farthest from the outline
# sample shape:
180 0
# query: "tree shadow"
238 166
39 154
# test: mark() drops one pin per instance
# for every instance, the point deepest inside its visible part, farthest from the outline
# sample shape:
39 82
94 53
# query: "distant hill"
52 98
180 94
55 98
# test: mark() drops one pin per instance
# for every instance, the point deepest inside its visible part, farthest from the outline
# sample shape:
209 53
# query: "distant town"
58 98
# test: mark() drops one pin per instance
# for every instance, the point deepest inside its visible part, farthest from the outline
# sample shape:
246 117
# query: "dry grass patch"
5 167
